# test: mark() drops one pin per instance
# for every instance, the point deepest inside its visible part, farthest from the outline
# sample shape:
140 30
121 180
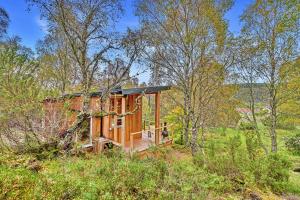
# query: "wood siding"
133 122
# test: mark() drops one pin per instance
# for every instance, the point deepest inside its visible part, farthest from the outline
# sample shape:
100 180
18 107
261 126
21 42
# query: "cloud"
42 24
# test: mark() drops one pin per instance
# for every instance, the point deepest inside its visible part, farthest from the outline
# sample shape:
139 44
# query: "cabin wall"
133 122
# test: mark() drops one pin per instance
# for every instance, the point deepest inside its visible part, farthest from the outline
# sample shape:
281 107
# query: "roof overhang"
122 92
145 90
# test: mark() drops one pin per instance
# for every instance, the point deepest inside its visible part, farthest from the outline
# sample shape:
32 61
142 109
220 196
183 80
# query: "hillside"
260 91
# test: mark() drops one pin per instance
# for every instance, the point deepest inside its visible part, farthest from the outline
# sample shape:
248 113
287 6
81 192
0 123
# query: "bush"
247 126
293 143
107 177
252 144
272 171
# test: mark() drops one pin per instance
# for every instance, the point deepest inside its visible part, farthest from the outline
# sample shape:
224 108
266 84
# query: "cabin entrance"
132 120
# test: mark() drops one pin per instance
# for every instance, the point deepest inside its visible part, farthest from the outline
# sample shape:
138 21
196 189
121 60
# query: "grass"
167 173
294 180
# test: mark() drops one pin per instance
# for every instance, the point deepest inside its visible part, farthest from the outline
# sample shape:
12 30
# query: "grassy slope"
169 173
295 159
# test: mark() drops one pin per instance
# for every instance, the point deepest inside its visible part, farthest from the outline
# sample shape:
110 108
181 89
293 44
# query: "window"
119 122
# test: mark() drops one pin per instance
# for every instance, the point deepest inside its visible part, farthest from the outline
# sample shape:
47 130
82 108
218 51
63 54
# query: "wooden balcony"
150 137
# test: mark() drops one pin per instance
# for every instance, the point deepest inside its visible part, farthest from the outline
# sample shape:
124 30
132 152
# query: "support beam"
105 120
157 118
115 120
123 132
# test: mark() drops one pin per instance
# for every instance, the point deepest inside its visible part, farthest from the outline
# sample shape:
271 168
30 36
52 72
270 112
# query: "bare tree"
274 27
86 28
184 37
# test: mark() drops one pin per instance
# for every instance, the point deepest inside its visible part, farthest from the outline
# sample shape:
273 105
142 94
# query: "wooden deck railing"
154 131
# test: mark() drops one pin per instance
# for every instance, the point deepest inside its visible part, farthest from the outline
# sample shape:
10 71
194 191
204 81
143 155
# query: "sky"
27 24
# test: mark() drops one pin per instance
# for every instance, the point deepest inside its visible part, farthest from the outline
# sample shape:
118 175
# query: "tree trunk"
194 140
86 102
273 96
194 143
273 128
187 117
273 105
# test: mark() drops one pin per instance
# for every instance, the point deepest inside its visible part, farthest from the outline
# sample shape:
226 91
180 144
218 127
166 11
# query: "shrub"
234 143
272 171
247 126
293 143
252 144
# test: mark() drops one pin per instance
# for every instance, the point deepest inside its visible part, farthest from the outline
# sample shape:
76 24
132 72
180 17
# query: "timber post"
115 120
123 106
157 118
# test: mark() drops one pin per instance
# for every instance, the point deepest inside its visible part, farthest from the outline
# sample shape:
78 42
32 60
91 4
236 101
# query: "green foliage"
282 123
107 177
272 171
247 126
175 117
239 158
293 143
252 144
20 91
231 164
233 144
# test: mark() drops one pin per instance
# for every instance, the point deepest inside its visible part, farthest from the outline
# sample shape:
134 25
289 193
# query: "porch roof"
120 91
145 90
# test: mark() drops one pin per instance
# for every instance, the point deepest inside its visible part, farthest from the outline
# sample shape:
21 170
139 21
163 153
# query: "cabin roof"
146 90
121 91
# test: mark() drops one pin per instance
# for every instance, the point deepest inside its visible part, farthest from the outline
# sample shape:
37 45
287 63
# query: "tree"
274 27
20 95
184 37
85 30
85 27
4 20
57 67
248 75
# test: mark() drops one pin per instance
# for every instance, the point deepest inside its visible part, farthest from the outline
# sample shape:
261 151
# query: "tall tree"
86 28
274 27
184 37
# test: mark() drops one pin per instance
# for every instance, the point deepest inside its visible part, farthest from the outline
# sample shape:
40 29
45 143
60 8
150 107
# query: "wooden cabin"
125 131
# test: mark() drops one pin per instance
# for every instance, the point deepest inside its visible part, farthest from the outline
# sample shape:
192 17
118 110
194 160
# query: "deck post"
105 120
115 120
123 106
157 117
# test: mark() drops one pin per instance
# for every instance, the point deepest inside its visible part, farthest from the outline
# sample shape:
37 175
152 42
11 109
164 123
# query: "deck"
144 143
136 144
